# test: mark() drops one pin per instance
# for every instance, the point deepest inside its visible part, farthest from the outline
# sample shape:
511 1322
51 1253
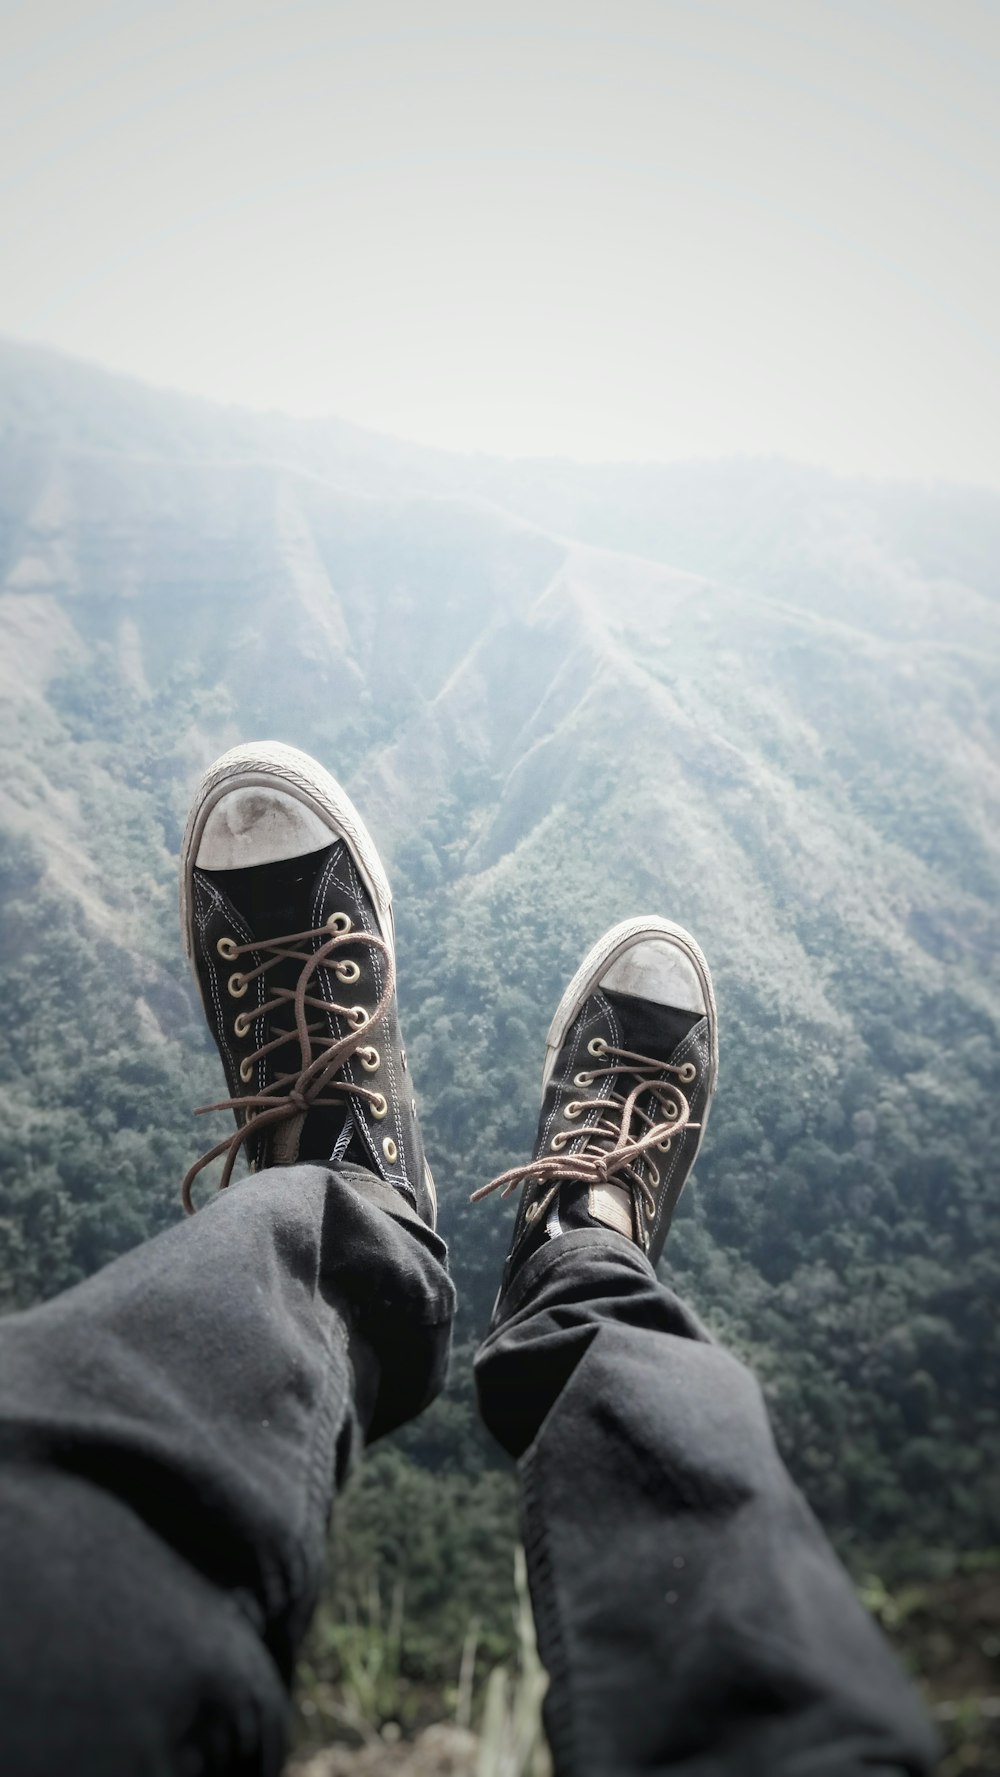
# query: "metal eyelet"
390 1150
228 948
663 1147
572 1110
379 1107
241 1025
339 922
583 1079
402 1058
246 1071
357 1016
346 971
597 1046
671 1109
654 1176
650 1209
559 1140
370 1059
686 1072
413 1106
533 1211
237 986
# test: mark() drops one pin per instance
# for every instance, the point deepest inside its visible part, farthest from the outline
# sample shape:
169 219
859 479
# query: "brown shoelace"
321 1057
612 1153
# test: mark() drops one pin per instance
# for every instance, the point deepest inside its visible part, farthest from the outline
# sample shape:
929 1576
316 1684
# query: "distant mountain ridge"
757 698
713 517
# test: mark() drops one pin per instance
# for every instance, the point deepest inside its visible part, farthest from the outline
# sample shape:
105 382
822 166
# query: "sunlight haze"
630 230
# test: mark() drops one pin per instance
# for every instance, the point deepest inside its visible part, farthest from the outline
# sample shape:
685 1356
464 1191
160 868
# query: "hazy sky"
606 228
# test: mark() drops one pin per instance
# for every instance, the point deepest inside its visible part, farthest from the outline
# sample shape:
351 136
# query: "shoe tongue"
330 1134
276 900
581 1206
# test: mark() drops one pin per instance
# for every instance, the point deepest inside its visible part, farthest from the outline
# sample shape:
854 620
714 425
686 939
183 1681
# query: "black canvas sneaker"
630 1068
287 922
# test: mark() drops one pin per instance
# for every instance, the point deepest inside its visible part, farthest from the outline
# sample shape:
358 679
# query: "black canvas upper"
658 1032
268 901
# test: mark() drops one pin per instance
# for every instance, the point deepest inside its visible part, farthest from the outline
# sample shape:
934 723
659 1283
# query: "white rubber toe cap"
660 972
259 825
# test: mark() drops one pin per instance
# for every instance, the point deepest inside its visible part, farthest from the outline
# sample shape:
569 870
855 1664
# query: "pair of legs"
173 1431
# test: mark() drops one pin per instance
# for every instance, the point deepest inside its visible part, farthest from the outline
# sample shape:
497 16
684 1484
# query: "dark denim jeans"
690 1613
172 1433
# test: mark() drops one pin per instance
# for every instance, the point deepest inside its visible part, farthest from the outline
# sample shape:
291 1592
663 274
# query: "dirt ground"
440 1751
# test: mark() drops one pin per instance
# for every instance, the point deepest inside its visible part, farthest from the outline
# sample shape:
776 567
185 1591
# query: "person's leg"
171 1433
690 1613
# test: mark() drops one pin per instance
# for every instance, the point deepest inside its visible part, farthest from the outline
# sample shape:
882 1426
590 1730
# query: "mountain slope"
786 738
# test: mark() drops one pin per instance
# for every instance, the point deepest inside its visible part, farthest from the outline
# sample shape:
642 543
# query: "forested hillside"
755 698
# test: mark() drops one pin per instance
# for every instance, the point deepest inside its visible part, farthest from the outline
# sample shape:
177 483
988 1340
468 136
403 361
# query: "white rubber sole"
270 764
595 966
